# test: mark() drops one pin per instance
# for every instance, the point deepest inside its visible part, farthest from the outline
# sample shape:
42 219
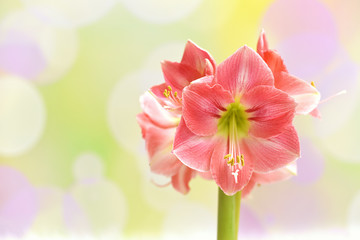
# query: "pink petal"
209 68
242 71
305 95
158 90
262 44
205 175
275 63
193 150
315 113
165 163
156 112
159 139
249 187
222 174
179 75
269 110
209 80
278 175
159 143
173 107
202 106
198 58
144 122
181 180
273 153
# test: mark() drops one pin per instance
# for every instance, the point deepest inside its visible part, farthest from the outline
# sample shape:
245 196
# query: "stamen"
231 162
234 157
173 97
313 84
332 96
234 125
166 93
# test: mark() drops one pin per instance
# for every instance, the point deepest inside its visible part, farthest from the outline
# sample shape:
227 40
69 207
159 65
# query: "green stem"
228 216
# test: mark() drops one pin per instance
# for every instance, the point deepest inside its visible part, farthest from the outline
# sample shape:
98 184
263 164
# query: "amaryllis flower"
305 94
161 114
158 129
278 175
195 63
237 124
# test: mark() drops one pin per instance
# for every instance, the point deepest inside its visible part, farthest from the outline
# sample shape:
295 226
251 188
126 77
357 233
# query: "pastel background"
72 161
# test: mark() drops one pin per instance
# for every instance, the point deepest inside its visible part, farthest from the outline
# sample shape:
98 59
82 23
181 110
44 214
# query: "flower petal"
262 44
165 163
278 175
159 143
205 175
248 188
242 71
153 109
315 113
180 181
202 106
193 150
222 174
273 153
269 110
275 63
179 75
144 122
196 57
158 90
305 95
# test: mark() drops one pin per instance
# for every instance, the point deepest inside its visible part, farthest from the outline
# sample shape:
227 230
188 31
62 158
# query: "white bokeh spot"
22 116
88 166
354 216
58 46
69 13
159 11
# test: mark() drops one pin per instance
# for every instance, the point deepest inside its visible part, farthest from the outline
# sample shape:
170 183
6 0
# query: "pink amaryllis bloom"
162 109
237 122
195 63
277 175
305 94
158 128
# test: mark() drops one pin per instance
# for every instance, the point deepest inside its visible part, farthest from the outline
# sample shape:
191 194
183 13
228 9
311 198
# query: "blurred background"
72 161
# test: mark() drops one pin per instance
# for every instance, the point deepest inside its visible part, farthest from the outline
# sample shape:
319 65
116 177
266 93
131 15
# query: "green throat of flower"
234 125
234 121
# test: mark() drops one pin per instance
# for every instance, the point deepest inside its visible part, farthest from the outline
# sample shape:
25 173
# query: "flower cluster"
230 122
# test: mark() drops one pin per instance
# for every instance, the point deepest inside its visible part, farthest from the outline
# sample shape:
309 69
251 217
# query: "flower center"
173 101
234 125
172 96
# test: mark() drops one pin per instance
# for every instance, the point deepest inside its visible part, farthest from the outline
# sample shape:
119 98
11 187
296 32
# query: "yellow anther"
175 94
238 159
312 83
170 89
227 156
231 161
242 160
166 93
